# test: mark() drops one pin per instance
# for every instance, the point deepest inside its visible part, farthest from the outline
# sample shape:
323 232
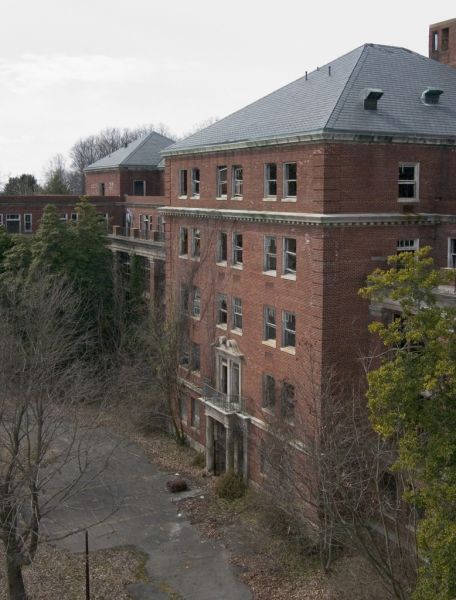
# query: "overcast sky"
70 68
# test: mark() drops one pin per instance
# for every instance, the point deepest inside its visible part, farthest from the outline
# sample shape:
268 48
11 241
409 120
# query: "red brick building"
276 215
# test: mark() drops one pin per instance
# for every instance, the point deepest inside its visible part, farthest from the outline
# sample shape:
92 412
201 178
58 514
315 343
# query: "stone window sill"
290 276
289 199
238 267
222 326
270 199
237 331
270 343
288 350
270 273
222 263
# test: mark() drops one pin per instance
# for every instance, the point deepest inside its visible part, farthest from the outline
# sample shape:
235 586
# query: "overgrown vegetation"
412 398
230 486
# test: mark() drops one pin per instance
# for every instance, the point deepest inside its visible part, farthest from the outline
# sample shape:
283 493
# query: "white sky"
69 68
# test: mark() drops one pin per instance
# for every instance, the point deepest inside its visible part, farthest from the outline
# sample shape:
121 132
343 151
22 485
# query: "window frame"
237 251
285 403
237 315
195 183
220 255
269 326
196 302
268 180
195 415
196 243
287 332
195 351
184 298
237 184
403 246
268 255
183 183
414 182
451 263
28 223
183 235
267 402
220 298
289 180
222 183
143 181
288 255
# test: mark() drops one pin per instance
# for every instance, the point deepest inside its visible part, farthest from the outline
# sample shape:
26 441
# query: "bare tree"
330 473
43 380
94 147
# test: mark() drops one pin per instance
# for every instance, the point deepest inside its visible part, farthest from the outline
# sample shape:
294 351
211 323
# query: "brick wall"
118 182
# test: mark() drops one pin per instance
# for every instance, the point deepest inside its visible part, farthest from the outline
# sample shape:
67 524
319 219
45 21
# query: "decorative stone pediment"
224 344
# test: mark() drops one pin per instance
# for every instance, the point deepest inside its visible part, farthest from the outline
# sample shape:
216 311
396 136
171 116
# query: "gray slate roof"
333 103
142 152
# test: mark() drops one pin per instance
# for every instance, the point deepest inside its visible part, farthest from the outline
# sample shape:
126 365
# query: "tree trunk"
16 588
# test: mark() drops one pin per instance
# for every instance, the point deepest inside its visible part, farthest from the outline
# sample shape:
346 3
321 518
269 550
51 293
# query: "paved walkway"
131 496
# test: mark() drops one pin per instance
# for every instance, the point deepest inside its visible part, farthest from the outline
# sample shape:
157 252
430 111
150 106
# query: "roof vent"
431 95
370 98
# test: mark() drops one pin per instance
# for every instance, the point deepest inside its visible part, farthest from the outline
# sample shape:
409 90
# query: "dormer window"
431 95
371 97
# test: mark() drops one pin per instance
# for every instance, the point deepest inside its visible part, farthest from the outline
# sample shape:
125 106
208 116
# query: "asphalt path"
127 504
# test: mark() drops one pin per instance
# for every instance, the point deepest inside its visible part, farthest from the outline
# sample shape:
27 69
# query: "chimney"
442 42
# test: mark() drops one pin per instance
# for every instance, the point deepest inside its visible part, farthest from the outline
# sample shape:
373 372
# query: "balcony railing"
138 234
229 403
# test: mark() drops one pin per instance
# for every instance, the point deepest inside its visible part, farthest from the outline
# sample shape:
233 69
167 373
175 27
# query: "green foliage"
24 184
412 397
230 486
6 242
57 184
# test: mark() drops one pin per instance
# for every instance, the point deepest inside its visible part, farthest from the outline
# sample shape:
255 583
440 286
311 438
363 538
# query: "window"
237 314
222 310
222 247
195 357
288 330
184 358
289 256
183 241
102 188
407 245
183 183
237 249
182 408
196 243
195 183
268 391
184 298
74 216
13 223
289 180
139 187
238 182
270 254
435 41
63 216
287 400
222 182
452 253
270 180
195 413
270 330
1 219
28 223
445 38
196 302
408 182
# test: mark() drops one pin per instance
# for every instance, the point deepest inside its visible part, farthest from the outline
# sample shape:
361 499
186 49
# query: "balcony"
228 403
150 244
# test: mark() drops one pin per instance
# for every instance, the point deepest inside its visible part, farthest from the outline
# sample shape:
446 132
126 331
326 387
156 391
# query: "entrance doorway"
219 448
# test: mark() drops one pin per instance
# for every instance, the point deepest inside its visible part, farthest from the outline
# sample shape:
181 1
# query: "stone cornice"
312 219
360 137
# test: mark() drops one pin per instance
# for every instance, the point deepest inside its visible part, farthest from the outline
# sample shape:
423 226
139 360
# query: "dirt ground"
59 575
